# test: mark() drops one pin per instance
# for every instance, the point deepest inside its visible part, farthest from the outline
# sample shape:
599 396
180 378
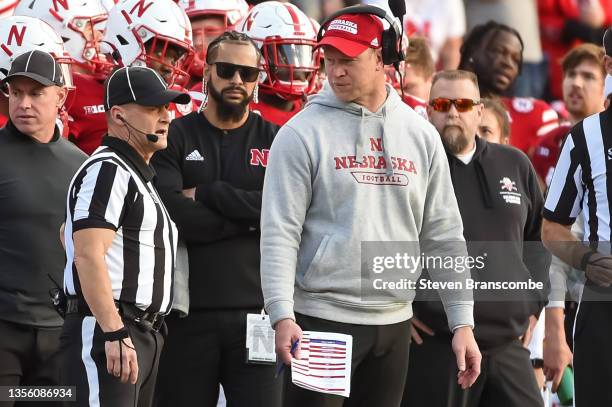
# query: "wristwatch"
537 363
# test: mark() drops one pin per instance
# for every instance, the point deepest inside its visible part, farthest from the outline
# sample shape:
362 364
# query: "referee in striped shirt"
582 183
120 246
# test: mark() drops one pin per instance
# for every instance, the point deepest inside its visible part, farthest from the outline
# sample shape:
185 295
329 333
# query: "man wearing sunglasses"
500 203
211 178
357 165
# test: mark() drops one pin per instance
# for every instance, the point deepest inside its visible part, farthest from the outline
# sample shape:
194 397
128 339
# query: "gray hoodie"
339 175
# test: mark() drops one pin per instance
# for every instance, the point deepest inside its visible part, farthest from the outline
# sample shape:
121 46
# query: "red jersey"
530 119
417 104
87 119
274 115
546 152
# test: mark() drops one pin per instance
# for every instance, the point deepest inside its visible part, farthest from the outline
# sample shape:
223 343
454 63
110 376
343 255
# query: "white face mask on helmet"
79 24
153 33
20 34
286 38
227 13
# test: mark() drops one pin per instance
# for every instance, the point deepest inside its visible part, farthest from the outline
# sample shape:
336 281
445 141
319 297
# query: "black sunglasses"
226 70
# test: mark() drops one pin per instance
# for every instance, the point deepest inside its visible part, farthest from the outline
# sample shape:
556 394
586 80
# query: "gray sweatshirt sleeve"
286 198
442 235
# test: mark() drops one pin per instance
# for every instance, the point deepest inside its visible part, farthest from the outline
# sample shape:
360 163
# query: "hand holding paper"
287 332
325 363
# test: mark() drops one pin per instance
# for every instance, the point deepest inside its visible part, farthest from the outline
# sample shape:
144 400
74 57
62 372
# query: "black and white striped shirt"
582 181
113 190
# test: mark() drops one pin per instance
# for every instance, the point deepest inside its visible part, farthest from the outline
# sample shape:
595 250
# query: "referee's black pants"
84 364
593 348
208 348
378 366
506 378
29 356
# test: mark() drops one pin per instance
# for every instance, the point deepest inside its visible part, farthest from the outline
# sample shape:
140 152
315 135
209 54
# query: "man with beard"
500 201
211 179
494 52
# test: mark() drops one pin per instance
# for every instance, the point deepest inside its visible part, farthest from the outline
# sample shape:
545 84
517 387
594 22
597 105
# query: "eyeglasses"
225 70
444 104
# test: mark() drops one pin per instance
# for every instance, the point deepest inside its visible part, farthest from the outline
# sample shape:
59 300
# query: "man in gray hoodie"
355 166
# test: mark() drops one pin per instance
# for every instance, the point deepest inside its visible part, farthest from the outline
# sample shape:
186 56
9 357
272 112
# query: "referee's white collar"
126 150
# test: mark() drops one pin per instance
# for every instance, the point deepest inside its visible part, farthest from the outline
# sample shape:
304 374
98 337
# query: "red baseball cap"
352 34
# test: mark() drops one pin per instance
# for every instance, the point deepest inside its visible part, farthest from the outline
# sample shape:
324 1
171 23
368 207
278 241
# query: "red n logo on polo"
259 157
15 34
142 7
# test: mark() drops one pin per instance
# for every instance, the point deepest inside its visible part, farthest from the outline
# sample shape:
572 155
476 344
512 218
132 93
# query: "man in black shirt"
211 179
500 204
36 165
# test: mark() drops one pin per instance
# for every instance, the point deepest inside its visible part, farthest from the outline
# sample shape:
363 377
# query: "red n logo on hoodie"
376 144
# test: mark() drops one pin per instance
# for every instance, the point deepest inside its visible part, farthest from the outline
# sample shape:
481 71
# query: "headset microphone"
153 138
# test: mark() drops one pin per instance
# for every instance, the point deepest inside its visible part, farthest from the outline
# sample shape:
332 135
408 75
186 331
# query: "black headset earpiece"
391 50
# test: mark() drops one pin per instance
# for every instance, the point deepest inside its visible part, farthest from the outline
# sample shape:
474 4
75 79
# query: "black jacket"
501 208
221 227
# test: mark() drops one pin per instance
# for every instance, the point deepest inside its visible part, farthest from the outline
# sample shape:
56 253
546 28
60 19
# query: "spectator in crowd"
523 16
314 202
158 36
79 23
583 94
563 25
495 124
329 7
511 214
211 178
442 23
36 167
286 38
418 72
494 52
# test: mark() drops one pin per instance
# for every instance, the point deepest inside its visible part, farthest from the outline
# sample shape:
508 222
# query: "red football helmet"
154 33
